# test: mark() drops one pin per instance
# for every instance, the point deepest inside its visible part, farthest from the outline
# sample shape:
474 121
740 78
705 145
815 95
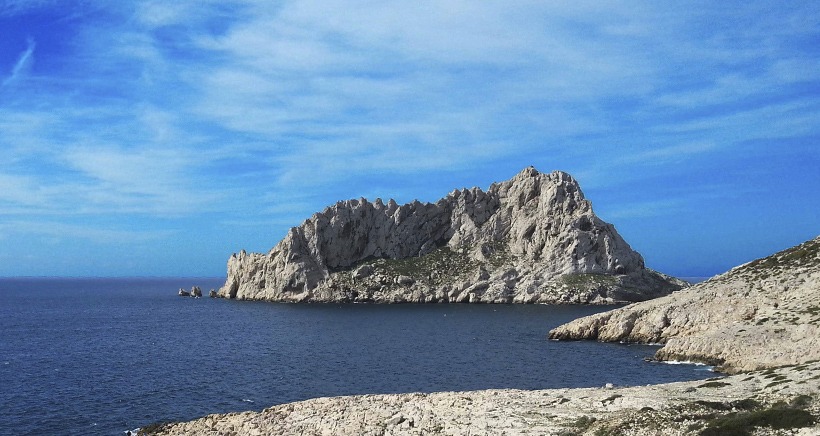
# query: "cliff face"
762 314
533 238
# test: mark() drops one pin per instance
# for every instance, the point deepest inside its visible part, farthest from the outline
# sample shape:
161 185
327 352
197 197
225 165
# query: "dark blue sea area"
101 356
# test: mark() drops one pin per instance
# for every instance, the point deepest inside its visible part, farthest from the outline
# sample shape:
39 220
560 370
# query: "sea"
101 356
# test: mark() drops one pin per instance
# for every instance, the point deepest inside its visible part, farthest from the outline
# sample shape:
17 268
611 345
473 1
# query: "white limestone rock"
762 314
531 239
678 409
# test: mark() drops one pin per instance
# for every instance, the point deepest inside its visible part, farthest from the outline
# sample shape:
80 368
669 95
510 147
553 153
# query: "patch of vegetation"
742 424
775 383
438 260
746 404
801 401
716 405
805 254
775 377
812 310
153 428
497 253
694 426
608 432
583 422
714 384
588 280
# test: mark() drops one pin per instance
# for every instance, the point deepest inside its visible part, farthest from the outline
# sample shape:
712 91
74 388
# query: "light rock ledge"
763 314
669 409
531 239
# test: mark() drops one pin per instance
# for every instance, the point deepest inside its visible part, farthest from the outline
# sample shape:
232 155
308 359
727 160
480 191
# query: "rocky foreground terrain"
763 314
531 239
783 401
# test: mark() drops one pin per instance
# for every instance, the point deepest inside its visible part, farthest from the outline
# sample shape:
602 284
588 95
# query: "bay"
101 356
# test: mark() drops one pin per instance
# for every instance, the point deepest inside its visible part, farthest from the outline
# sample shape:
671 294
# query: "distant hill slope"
762 314
531 239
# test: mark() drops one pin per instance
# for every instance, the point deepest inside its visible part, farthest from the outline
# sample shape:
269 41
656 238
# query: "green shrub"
742 424
714 384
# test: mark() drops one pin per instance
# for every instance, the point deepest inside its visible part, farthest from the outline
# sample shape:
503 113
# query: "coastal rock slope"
784 401
762 314
531 239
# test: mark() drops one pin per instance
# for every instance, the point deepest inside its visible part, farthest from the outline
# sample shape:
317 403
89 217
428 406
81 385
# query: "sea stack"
531 239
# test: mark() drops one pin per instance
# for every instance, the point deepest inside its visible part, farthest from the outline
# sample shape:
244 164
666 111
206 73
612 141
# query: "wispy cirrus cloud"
23 65
259 112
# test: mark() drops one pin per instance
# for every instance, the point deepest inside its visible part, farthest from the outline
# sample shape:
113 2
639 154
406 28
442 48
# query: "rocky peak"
535 222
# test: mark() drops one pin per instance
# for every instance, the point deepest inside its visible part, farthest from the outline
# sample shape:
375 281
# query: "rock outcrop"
532 239
786 399
762 314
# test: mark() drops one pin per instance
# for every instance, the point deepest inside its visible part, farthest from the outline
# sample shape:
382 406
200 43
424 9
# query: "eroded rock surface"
751 402
763 314
531 239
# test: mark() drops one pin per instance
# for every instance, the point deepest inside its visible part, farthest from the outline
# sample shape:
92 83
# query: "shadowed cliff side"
531 239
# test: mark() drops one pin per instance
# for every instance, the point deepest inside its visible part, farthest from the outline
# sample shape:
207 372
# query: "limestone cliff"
531 239
762 314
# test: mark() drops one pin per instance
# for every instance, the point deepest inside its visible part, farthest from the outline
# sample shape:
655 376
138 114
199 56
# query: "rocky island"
777 390
531 239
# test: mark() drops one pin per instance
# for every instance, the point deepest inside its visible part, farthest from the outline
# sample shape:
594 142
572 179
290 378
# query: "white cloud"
677 152
14 7
56 231
153 181
23 64
645 209
257 109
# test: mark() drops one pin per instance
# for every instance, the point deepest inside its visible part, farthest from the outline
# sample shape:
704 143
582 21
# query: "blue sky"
156 138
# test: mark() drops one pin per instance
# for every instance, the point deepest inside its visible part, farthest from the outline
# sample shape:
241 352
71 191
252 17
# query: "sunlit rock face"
531 239
762 314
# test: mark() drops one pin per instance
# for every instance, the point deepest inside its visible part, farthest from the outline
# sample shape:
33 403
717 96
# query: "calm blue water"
101 356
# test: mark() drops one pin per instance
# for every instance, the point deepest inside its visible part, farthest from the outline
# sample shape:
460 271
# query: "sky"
155 138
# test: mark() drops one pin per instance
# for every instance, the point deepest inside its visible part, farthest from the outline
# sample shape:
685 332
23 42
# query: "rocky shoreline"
760 315
787 397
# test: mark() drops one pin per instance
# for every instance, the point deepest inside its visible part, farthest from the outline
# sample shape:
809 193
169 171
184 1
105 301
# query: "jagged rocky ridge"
531 239
762 314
